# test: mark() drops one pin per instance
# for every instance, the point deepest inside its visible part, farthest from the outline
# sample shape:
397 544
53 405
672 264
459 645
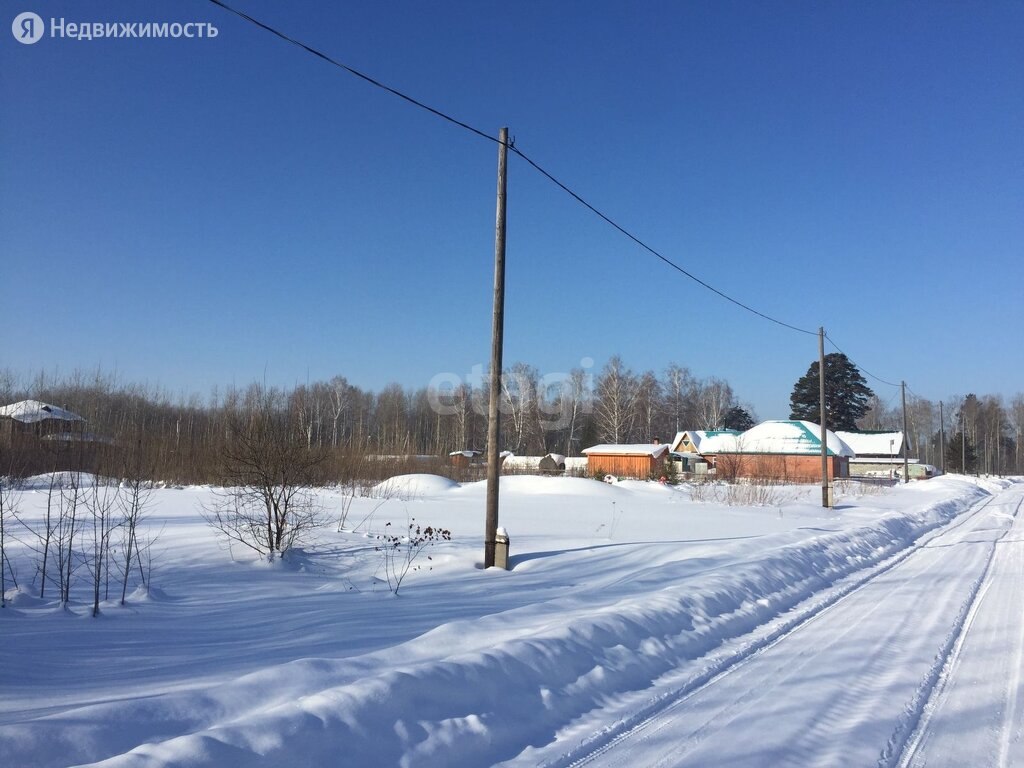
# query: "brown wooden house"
639 461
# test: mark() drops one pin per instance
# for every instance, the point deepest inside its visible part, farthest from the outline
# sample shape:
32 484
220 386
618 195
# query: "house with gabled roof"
688 447
691 440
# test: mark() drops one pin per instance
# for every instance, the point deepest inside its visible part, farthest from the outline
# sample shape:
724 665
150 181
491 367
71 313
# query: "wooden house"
688 448
639 461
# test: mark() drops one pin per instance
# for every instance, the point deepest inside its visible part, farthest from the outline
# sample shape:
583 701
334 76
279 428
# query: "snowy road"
903 669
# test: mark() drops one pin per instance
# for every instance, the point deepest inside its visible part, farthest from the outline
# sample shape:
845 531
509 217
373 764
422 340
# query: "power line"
356 72
860 367
651 250
511 146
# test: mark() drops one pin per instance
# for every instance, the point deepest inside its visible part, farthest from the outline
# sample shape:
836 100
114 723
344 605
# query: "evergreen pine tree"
960 451
737 418
846 394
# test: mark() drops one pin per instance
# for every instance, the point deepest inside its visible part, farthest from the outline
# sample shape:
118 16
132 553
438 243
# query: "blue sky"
193 213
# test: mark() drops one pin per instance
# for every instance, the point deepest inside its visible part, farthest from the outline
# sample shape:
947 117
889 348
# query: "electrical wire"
356 72
651 250
511 147
860 367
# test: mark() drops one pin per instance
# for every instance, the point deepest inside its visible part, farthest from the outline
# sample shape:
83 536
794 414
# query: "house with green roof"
786 451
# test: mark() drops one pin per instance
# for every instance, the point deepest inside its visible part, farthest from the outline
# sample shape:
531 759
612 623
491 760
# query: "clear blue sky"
200 212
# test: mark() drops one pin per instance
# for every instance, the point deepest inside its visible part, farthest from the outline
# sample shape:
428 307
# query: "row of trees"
982 434
183 439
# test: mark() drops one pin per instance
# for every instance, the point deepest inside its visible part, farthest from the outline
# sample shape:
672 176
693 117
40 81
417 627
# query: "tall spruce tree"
737 418
846 394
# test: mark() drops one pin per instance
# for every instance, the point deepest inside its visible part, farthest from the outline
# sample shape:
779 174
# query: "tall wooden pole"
903 395
826 496
942 440
963 438
497 333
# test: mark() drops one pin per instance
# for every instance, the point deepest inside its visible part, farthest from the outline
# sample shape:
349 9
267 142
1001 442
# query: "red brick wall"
782 467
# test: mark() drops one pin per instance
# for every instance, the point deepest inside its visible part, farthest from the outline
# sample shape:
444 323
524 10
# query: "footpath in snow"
621 602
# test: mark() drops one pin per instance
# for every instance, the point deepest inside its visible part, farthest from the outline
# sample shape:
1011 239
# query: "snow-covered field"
639 624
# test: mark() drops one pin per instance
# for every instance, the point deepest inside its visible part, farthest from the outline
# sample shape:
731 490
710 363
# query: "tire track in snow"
774 632
913 727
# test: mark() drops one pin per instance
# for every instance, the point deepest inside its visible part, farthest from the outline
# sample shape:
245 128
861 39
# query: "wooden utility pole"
826 489
903 395
963 439
942 440
497 333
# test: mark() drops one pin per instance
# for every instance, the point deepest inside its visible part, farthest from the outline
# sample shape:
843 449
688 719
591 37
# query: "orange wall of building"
623 466
799 469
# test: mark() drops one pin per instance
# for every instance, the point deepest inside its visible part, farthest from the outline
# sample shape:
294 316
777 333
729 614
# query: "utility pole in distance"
942 440
826 490
903 395
497 334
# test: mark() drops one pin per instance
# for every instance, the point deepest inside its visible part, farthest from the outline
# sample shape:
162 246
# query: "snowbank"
413 486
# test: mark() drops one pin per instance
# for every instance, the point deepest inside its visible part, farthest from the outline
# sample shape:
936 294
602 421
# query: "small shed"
638 460
552 464
462 459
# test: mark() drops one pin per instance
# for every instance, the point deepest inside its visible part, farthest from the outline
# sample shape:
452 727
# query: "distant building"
639 461
881 454
40 437
33 417
688 448
788 451
463 459
552 464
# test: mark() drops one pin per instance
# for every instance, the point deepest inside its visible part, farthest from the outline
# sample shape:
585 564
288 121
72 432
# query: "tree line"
183 439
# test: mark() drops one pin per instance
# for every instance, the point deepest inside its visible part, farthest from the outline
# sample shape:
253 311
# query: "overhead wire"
512 148
860 367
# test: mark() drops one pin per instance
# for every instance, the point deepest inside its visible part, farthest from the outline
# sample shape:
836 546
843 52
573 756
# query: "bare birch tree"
101 500
714 398
615 403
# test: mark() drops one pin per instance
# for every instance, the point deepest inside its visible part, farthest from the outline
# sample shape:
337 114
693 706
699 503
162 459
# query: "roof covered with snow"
784 437
873 443
31 411
705 439
635 449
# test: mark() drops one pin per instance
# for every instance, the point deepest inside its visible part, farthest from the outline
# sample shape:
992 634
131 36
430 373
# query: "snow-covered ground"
638 625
